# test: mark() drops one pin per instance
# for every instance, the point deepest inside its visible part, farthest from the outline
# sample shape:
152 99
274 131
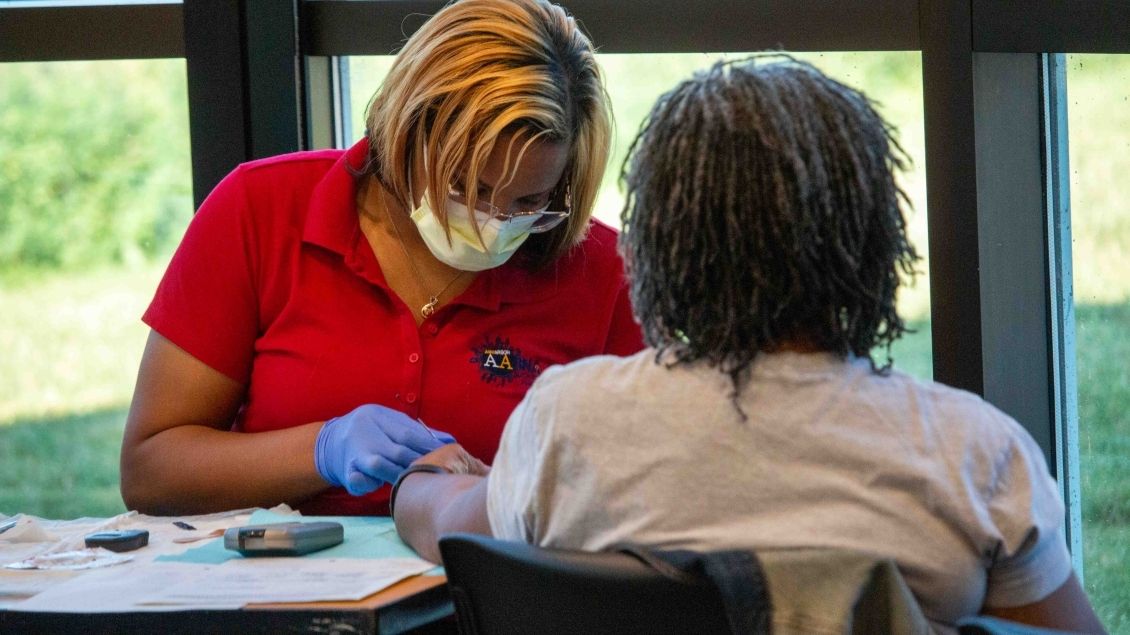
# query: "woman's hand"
371 446
456 460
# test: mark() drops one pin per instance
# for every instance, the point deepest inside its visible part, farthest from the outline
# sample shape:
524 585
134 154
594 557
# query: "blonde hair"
479 69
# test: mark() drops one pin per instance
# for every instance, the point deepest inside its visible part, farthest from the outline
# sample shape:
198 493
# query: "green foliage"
94 162
913 353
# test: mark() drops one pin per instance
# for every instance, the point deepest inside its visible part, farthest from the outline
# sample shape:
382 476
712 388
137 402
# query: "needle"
429 430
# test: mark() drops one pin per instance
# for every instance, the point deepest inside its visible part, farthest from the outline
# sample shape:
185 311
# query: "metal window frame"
246 86
1061 300
327 102
1044 26
378 27
267 76
42 32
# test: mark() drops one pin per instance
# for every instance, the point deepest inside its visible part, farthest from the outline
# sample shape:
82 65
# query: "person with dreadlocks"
765 244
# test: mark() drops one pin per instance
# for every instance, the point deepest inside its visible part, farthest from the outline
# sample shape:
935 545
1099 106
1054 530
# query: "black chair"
501 588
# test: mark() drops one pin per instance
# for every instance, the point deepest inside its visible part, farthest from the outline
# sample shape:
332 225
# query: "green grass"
71 342
1106 554
1104 456
62 467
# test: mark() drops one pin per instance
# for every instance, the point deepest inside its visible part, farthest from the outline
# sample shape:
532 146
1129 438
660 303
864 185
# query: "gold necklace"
429 307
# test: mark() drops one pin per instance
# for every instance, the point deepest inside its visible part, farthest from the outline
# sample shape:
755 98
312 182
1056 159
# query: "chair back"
502 587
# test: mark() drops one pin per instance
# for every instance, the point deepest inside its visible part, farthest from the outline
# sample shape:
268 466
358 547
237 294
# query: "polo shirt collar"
331 220
332 223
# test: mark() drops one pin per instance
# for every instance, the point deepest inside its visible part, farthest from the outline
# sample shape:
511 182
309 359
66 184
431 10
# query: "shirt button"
410 397
433 329
414 357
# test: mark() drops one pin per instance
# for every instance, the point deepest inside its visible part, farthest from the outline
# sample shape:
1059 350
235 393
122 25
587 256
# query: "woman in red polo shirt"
358 309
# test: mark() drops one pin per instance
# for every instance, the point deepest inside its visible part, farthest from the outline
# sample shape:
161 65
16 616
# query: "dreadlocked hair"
762 212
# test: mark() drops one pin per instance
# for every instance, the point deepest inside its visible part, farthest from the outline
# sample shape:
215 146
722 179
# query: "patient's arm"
1067 609
431 505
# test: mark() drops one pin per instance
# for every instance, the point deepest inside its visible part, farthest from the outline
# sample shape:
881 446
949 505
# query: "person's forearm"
431 505
197 469
1066 609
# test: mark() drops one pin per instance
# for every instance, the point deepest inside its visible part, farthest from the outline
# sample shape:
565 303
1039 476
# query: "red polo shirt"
275 286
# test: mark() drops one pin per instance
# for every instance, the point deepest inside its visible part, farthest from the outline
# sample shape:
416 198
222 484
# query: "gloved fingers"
400 456
383 468
358 483
397 426
412 434
402 428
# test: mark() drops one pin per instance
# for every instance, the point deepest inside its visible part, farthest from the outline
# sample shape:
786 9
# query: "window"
365 76
95 192
1098 94
635 81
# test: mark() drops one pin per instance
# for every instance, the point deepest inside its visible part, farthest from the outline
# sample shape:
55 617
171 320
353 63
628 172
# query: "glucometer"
283 539
121 540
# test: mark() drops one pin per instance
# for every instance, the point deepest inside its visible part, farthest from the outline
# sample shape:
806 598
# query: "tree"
94 162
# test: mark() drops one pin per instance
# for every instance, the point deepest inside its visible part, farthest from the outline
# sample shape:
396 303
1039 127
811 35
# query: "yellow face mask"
464 250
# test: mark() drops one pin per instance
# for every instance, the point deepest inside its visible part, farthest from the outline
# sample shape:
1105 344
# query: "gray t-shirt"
607 450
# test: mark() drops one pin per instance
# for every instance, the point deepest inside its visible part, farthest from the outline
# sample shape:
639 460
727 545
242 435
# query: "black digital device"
119 540
283 539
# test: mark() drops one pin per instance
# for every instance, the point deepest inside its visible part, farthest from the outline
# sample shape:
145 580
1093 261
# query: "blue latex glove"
371 446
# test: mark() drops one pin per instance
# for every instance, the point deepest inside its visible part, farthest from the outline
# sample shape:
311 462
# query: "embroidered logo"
500 363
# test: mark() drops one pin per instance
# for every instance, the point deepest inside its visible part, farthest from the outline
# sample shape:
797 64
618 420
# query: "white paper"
94 558
26 529
18 585
263 580
117 590
176 586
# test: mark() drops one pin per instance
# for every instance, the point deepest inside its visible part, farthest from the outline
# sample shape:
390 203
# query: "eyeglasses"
545 220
